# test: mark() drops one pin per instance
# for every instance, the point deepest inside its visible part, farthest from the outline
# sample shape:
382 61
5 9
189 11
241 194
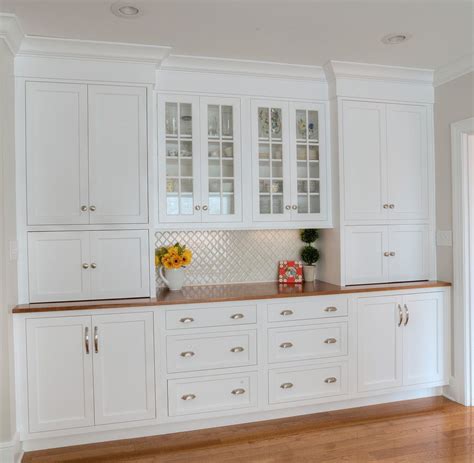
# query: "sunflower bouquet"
173 257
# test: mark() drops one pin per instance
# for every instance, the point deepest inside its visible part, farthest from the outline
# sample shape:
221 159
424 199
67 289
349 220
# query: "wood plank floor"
433 430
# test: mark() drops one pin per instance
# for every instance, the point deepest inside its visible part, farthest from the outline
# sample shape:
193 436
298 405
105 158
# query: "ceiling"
285 31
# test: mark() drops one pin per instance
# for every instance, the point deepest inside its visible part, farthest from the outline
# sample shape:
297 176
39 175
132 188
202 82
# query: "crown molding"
348 70
242 67
50 47
453 70
11 32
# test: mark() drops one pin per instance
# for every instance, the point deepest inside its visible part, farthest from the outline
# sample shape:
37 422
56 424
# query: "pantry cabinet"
88 265
86 154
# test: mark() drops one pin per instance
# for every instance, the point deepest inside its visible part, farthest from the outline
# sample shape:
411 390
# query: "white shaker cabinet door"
367 254
56 153
364 159
407 161
118 184
119 264
124 385
59 356
423 339
58 266
379 343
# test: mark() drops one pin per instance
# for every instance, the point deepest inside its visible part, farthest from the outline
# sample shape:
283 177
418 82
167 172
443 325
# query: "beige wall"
454 101
8 270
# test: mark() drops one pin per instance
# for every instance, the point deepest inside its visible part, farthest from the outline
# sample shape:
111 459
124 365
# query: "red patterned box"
290 271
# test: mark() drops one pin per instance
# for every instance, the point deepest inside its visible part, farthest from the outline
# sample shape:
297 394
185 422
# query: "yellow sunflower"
176 261
187 257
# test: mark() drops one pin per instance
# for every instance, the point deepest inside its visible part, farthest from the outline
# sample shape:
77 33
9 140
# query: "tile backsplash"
234 256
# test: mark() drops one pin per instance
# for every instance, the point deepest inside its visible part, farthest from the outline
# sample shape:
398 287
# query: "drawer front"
209 351
306 383
304 343
317 307
217 316
189 396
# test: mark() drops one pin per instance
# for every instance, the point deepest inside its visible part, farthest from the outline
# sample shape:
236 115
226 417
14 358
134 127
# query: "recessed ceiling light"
125 10
395 39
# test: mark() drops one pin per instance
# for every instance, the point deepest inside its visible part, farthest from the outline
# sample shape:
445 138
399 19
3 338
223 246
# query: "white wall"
454 101
8 271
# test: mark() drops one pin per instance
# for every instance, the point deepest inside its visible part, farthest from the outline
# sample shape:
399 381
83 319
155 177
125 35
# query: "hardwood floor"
433 430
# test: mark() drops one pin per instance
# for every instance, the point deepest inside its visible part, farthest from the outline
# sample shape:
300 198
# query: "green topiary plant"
309 255
309 235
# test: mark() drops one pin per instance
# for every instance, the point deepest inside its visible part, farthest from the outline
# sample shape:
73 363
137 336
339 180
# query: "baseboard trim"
12 451
196 424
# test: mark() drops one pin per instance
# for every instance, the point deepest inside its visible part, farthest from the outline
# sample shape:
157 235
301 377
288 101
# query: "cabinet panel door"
410 247
221 160
60 394
364 158
124 384
407 162
56 153
271 161
366 249
423 338
56 262
179 177
308 161
379 343
118 154
119 264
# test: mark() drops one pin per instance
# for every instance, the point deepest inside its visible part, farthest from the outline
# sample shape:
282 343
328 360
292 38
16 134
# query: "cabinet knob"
187 354
205 208
287 207
286 312
188 397
85 266
84 208
93 265
198 208
392 206
92 208
392 254
187 320
286 385
330 341
286 345
239 391
237 316
330 309
386 254
330 380
385 206
237 349
294 207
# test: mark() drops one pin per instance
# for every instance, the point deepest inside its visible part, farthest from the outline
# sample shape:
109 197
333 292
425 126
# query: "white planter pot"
173 278
309 272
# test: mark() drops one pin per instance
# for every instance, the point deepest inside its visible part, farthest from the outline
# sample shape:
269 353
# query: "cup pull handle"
330 380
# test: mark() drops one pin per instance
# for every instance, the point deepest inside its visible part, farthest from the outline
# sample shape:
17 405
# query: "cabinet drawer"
318 307
216 393
216 316
209 351
306 383
304 343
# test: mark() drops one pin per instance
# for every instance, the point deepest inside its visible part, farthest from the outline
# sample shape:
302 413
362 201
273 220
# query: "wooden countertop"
226 293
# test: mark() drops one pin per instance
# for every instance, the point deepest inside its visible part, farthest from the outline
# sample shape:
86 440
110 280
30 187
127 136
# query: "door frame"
462 381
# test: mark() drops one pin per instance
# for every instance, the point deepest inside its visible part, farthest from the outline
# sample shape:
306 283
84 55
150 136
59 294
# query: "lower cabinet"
400 340
90 370
66 266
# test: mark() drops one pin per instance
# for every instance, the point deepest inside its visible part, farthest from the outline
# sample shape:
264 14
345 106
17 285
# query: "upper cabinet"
86 152
385 159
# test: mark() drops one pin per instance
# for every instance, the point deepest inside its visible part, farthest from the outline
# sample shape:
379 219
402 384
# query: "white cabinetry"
400 340
76 370
86 154
88 265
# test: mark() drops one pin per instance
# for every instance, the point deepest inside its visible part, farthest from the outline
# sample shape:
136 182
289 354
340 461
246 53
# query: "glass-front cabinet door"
178 160
271 161
308 161
220 160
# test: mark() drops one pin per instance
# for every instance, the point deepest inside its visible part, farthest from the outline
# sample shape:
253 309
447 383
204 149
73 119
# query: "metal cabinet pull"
287 207
93 265
84 208
392 206
392 254
330 341
237 349
330 309
187 320
330 380
294 207
385 206
400 315
187 354
86 339
188 397
198 208
239 391
386 253
407 319
286 385
286 312
237 316
96 339
286 345
205 208
92 208
85 266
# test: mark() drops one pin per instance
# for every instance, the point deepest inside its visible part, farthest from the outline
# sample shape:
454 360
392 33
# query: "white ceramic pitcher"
173 277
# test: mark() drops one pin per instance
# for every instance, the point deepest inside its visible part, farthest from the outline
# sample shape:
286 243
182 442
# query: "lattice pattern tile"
234 256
